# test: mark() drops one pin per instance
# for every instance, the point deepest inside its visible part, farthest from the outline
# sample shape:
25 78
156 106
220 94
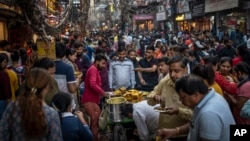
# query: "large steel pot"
115 108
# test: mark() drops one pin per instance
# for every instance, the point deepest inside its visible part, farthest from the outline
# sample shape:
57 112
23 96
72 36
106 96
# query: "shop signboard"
218 5
143 17
46 50
161 16
183 6
197 8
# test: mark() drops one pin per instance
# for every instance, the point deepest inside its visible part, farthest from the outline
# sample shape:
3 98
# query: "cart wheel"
119 133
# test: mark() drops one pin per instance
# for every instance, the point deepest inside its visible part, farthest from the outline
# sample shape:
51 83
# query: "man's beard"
149 57
99 67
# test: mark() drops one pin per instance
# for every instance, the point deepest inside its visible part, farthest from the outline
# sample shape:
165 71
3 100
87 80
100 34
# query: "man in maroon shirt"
93 93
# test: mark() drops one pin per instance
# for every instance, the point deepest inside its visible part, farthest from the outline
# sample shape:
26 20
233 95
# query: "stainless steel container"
115 108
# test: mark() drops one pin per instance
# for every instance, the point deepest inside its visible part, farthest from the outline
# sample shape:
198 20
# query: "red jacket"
225 85
92 83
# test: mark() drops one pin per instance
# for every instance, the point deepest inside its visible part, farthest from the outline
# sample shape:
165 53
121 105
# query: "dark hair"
204 71
70 51
2 58
29 43
78 44
34 47
226 59
213 60
191 84
5 57
178 58
15 56
99 57
244 53
99 42
226 40
61 102
163 59
120 49
30 103
76 36
243 68
44 63
4 43
191 53
60 50
150 48
23 54
121 44
131 51
100 50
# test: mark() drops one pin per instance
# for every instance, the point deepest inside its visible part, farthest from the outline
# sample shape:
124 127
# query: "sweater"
121 74
73 129
92 83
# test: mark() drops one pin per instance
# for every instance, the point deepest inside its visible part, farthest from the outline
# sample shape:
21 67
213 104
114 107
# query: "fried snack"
133 96
123 89
145 93
77 73
158 138
117 92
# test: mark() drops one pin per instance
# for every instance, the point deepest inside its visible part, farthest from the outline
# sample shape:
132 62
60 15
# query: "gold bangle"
178 130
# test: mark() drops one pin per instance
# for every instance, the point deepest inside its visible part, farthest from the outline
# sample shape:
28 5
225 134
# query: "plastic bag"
103 119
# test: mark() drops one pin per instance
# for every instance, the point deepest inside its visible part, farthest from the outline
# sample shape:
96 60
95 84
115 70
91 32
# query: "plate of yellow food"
77 73
161 109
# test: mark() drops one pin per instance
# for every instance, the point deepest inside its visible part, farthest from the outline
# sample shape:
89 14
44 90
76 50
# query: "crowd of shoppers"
199 80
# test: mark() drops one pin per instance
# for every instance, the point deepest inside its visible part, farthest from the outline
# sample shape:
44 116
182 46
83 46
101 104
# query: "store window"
230 20
145 25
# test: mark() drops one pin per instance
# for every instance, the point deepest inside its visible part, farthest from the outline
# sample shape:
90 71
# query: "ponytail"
32 115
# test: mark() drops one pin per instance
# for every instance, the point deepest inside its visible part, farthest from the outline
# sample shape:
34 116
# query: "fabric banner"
218 5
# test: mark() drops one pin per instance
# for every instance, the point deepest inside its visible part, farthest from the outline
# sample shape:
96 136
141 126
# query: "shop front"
7 12
184 24
228 14
161 20
200 21
229 19
184 17
143 22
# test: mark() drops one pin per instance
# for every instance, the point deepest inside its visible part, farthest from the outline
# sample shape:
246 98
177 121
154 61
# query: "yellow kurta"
217 88
13 82
166 89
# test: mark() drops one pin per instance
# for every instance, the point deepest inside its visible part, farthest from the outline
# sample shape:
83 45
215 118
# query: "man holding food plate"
172 112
